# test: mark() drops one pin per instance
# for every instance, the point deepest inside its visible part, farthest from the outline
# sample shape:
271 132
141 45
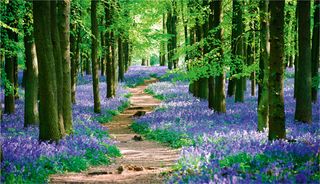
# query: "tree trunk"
58 62
120 59
251 57
276 101
103 58
64 33
219 98
162 44
315 49
9 99
296 60
126 55
238 48
94 56
263 105
109 48
15 69
169 45
48 107
211 88
73 69
174 33
88 65
31 114
303 100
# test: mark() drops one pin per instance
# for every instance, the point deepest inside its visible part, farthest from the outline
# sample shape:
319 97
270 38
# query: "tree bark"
276 99
120 59
64 33
263 105
303 100
48 107
58 62
315 49
102 58
219 98
109 48
73 60
9 99
238 48
31 113
94 56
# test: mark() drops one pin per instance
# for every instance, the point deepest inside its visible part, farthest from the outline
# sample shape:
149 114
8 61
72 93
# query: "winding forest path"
142 161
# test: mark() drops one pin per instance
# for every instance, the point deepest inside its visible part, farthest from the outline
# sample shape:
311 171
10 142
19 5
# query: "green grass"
172 139
107 117
157 96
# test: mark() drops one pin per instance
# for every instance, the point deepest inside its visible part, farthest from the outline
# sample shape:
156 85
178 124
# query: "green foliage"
157 96
173 139
107 117
154 60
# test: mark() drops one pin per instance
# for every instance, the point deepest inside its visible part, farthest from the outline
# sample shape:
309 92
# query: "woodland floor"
142 161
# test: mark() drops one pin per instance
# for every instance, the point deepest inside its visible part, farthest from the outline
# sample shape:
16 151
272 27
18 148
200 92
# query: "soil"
142 161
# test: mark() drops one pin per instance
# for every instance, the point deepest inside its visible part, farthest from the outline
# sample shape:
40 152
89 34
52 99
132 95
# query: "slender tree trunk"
15 69
296 60
191 56
88 65
303 100
251 57
174 33
73 69
315 49
169 45
276 100
219 98
126 55
237 19
120 59
109 55
94 56
9 99
64 33
211 88
31 114
103 58
163 46
58 62
263 105
48 107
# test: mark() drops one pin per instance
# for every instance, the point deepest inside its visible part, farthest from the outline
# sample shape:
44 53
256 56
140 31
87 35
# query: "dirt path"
142 161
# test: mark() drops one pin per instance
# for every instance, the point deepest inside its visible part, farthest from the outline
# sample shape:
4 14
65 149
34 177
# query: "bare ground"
142 162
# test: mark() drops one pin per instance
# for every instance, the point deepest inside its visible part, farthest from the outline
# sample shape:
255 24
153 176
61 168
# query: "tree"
162 43
58 62
263 106
120 59
276 100
31 114
48 107
94 58
315 49
110 51
211 88
9 99
10 63
64 33
219 97
303 100
238 48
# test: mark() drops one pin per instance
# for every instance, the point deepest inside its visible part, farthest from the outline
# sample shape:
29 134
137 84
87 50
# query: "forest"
160 91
